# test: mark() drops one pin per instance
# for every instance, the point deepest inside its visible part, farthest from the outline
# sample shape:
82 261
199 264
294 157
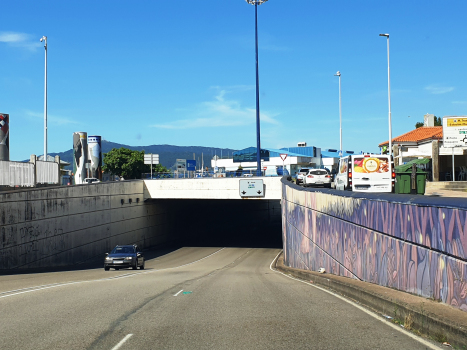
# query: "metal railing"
208 174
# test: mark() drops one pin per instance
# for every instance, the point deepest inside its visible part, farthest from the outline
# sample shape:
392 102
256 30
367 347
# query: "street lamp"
338 74
258 138
44 39
389 99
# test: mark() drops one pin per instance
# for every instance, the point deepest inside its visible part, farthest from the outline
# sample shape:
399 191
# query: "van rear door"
371 173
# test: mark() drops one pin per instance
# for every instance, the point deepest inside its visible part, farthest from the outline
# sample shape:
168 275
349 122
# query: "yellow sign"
457 122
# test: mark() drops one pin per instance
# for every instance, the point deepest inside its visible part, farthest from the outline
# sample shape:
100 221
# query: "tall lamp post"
44 39
338 74
258 138
389 99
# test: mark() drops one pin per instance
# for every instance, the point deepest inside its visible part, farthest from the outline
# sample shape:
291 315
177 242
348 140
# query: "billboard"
4 136
95 156
180 164
80 156
455 131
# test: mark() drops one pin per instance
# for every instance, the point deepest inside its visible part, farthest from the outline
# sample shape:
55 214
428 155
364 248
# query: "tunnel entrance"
226 223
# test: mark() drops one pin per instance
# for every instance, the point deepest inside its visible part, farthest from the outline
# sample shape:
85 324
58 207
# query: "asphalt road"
192 298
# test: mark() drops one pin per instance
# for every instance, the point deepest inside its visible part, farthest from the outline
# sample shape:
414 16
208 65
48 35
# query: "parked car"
300 175
317 177
124 256
91 180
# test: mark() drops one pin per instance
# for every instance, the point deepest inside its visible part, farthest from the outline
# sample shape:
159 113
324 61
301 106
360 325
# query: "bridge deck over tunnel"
209 188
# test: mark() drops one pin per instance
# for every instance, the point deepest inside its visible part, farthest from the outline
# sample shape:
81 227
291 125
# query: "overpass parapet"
207 188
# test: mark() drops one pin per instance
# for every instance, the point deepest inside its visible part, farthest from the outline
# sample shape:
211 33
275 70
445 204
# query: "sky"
183 72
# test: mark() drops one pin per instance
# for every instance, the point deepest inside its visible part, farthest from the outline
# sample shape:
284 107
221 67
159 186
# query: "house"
427 142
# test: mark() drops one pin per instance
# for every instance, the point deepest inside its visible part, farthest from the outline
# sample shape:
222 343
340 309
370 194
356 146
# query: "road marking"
178 293
372 314
116 347
55 285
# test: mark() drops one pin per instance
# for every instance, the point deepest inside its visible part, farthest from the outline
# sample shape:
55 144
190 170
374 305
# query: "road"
191 298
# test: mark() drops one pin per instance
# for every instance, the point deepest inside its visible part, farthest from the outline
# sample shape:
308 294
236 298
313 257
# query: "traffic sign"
283 156
151 159
190 165
454 131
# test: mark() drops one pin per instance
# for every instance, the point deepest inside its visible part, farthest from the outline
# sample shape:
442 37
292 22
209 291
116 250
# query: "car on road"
301 175
91 180
317 177
123 256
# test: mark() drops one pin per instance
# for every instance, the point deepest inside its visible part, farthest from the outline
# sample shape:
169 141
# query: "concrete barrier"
70 225
411 243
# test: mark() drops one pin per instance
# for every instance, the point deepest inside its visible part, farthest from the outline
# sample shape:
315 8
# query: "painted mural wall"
4 136
419 248
95 156
80 156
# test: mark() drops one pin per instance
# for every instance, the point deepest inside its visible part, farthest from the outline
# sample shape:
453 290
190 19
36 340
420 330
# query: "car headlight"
129 258
108 258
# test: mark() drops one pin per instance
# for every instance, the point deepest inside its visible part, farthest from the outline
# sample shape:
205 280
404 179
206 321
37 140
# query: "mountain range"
167 153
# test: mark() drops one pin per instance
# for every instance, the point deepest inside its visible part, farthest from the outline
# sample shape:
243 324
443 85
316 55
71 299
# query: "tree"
437 120
128 164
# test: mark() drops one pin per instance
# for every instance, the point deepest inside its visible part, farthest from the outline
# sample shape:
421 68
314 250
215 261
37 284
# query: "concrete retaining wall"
74 224
412 243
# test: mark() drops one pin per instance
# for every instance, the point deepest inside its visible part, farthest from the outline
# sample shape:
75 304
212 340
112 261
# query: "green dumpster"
404 183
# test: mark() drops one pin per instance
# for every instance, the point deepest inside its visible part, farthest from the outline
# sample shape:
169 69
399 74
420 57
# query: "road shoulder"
422 316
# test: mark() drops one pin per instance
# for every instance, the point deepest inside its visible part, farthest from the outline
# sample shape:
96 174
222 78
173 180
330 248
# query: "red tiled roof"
419 134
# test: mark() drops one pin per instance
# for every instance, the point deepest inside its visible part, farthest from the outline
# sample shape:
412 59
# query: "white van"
365 173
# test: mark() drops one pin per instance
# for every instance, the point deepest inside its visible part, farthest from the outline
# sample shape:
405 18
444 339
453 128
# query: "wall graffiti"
28 243
418 249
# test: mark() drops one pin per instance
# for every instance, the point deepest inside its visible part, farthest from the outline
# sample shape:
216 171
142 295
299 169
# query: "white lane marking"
55 285
372 314
178 293
116 347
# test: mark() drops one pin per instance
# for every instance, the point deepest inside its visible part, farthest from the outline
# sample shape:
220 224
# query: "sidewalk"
445 193
422 316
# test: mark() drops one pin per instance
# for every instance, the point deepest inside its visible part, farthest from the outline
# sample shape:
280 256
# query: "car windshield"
304 171
123 250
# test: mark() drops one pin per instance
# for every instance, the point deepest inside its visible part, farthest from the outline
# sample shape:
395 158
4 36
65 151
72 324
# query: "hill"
167 153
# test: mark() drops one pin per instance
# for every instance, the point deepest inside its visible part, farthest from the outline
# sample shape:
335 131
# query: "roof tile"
419 134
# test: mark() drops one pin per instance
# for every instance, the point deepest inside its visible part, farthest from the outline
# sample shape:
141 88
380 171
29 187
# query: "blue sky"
183 72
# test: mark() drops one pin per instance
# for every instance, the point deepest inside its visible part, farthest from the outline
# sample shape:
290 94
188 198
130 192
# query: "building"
427 142
272 160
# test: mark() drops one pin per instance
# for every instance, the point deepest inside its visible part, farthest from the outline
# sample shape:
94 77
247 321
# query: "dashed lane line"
55 285
118 346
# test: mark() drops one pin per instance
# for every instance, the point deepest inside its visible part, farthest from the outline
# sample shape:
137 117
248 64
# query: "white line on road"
55 285
372 314
116 347
178 293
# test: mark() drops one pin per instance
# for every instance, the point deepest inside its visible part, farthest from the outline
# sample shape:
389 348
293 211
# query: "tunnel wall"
70 225
415 244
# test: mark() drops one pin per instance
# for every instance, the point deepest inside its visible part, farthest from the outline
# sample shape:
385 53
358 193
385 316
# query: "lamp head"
338 74
44 38
386 35
256 2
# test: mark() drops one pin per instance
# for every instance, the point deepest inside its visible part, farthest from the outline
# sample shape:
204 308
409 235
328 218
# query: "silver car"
316 177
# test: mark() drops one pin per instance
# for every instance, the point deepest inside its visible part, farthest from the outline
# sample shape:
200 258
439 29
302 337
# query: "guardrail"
199 174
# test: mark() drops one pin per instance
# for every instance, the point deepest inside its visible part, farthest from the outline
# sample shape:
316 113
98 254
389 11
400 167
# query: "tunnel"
225 223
